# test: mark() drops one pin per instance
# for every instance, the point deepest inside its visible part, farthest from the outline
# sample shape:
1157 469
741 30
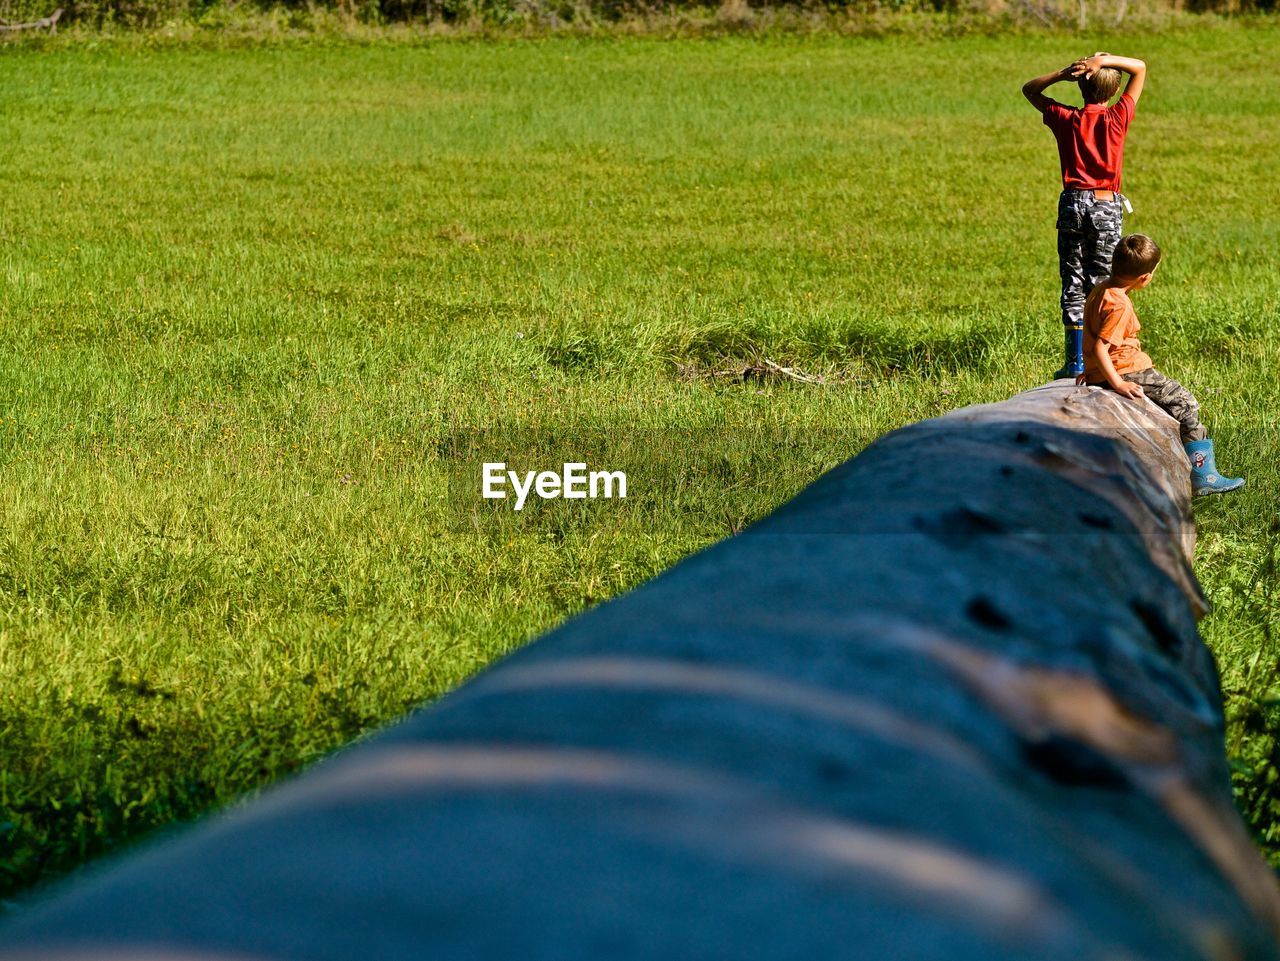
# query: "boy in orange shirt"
1113 358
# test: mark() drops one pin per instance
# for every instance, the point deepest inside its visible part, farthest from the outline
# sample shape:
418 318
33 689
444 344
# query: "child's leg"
1179 403
1176 401
1071 249
1103 224
1071 270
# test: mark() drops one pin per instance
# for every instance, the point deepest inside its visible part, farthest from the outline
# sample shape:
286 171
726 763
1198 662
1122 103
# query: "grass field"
258 305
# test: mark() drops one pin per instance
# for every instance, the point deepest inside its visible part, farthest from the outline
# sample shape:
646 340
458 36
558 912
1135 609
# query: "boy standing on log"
1091 153
1114 358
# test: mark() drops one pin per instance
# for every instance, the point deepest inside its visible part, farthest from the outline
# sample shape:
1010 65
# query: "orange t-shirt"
1109 316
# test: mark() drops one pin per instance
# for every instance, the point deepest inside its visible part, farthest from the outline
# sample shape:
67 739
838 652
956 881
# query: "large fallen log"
948 703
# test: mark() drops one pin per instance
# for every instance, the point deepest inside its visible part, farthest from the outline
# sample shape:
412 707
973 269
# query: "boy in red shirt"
1091 152
1113 357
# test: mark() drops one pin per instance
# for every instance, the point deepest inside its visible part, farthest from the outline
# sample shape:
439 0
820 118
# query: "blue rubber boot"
1205 478
1074 337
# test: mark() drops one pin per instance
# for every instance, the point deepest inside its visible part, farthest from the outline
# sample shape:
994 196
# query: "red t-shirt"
1090 142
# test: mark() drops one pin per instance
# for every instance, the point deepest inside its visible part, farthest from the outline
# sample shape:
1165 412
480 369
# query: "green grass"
255 301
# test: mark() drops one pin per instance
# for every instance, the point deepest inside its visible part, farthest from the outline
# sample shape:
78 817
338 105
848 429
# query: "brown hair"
1101 87
1135 255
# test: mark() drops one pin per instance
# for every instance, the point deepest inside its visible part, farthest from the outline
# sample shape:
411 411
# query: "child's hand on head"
1086 67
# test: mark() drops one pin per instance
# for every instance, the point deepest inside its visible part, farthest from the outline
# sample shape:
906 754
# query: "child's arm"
1118 383
1136 69
1034 89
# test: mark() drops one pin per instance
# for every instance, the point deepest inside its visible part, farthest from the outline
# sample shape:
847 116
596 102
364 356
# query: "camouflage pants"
1174 399
1088 231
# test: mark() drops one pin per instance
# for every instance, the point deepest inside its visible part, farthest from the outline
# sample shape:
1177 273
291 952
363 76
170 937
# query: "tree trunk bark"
948 703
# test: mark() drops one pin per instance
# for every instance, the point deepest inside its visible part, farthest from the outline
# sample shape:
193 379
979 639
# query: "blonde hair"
1101 87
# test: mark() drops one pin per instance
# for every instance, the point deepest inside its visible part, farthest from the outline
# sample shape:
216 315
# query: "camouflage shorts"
1088 231
1174 399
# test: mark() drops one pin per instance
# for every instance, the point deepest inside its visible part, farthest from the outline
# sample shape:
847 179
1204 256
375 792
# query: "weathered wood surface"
949 703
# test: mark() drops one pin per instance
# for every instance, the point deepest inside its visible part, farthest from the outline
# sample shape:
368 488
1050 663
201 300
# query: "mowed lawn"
261 310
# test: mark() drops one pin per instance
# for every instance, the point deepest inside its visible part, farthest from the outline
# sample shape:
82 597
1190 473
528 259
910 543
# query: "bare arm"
1034 89
1118 383
1136 69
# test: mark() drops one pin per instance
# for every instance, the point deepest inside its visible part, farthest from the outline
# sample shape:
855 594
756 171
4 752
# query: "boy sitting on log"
1091 153
1114 358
